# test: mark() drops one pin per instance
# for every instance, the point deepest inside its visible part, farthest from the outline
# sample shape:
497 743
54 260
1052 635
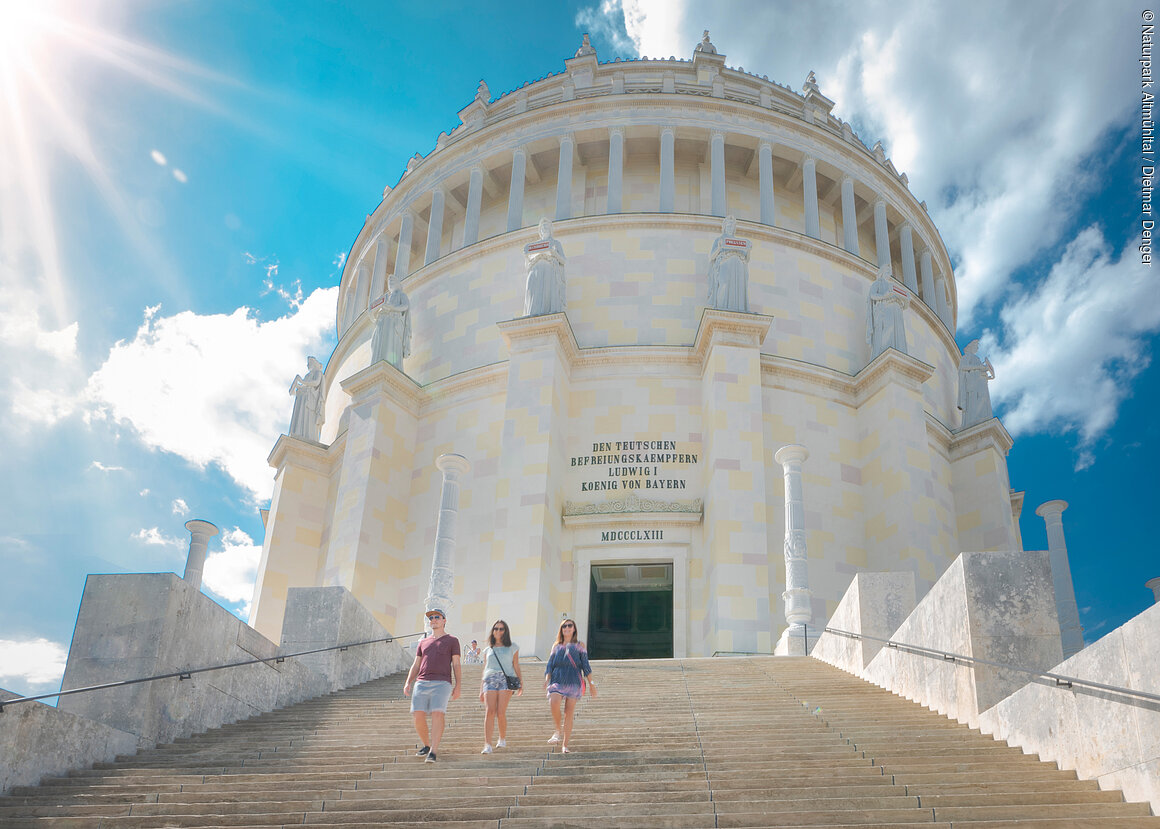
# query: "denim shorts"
430 695
495 681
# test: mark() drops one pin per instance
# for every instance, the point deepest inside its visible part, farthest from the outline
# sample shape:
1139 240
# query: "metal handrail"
1061 680
189 672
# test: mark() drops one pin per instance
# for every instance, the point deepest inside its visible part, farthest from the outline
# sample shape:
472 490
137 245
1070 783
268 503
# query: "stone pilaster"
292 549
736 542
403 252
927 273
1070 629
379 274
525 584
515 213
474 200
982 488
365 549
901 519
906 244
564 179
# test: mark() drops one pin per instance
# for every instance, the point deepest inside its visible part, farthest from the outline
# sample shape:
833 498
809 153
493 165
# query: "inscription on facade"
632 535
635 464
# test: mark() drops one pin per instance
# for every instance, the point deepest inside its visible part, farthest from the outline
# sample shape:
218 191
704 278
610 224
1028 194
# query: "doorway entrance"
630 611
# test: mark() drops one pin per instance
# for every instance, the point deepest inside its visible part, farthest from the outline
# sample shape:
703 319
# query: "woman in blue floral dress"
565 677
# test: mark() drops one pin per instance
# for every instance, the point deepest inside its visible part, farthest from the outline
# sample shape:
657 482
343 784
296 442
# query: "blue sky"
180 182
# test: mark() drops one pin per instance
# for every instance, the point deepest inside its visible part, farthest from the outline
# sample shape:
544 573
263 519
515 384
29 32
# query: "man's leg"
438 718
420 718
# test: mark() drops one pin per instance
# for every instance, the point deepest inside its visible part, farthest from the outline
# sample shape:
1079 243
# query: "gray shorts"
430 695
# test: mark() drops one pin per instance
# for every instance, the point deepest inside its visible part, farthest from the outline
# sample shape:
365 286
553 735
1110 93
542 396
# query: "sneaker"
486 748
502 743
423 752
430 757
565 750
555 738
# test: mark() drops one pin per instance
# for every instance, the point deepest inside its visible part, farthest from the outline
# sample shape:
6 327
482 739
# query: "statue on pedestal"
307 416
885 327
391 340
729 270
974 396
546 289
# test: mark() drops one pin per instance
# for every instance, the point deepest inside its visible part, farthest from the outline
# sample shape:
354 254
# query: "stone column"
1154 586
474 197
515 214
403 253
849 217
200 532
442 582
906 243
668 177
717 173
810 197
379 274
435 227
765 182
615 169
942 307
797 585
881 234
1070 629
927 279
564 179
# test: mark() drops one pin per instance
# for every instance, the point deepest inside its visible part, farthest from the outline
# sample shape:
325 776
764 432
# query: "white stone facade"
639 425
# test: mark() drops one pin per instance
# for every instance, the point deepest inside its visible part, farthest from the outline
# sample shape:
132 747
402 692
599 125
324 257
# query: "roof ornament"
482 93
705 45
811 84
586 47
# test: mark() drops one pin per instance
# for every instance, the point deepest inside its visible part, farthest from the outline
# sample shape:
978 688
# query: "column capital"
808 159
198 527
765 146
452 463
793 453
617 130
567 138
668 131
477 168
520 149
715 134
847 178
1049 508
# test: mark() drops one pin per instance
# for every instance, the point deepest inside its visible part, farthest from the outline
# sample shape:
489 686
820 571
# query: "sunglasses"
499 628
569 625
434 617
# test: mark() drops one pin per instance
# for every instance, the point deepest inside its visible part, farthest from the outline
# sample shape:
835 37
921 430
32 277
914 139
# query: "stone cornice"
989 434
728 328
525 333
467 385
303 454
890 365
632 509
384 378
806 378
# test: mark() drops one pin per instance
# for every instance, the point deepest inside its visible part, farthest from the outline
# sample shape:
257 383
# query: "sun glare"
23 24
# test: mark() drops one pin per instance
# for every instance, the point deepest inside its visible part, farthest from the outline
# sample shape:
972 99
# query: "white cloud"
180 175
1066 354
230 573
144 492
100 467
180 507
607 22
154 537
213 388
158 157
656 28
34 661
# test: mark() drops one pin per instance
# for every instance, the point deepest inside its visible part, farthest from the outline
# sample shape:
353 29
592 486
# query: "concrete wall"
38 740
974 610
132 626
1103 735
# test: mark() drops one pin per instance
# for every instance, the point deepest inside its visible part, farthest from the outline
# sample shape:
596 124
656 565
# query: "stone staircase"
668 743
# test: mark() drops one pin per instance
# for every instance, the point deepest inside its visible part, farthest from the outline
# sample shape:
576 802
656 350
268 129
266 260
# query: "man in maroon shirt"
436 659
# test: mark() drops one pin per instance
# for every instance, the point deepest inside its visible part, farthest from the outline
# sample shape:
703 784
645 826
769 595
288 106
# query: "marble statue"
306 419
586 47
705 45
729 270
391 313
546 290
974 396
885 326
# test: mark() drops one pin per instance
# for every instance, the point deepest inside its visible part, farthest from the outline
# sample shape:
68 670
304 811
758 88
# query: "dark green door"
630 611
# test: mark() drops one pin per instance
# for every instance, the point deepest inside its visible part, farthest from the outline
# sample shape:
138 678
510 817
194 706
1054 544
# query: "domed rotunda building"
736 316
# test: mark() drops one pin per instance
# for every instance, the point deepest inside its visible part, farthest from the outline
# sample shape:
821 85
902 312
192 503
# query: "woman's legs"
555 699
569 709
502 700
492 703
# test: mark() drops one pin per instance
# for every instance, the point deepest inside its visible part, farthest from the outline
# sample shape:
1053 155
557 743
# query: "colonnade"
923 280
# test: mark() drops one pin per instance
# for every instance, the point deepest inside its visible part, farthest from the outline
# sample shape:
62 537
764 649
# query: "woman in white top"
501 660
